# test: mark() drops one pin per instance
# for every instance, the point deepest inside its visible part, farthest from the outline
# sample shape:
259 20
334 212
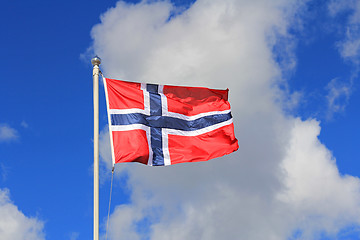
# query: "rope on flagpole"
107 223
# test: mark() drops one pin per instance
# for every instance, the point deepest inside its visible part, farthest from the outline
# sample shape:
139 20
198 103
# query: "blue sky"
292 70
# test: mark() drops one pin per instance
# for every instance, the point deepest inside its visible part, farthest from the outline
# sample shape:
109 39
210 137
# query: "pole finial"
95 61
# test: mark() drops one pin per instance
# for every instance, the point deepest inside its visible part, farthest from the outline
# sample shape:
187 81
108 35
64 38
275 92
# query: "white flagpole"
96 62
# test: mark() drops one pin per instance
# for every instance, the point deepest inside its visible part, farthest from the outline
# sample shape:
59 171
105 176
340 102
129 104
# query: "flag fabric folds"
162 125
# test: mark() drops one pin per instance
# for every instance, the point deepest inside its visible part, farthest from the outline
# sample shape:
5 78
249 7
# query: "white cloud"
24 124
350 46
338 96
314 187
120 224
257 192
14 224
7 133
4 170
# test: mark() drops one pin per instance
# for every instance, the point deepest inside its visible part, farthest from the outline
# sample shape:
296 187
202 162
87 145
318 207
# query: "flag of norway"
162 125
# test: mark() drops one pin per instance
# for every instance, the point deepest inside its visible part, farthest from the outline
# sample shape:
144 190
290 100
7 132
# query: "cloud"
7 133
314 188
350 46
269 188
14 224
339 92
338 96
24 124
4 170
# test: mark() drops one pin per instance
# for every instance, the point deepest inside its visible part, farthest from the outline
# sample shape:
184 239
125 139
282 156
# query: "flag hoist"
96 71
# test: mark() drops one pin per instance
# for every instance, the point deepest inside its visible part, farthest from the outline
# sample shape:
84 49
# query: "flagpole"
96 62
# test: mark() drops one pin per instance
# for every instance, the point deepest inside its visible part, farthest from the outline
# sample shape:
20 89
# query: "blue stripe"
152 88
155 100
168 122
155 132
156 146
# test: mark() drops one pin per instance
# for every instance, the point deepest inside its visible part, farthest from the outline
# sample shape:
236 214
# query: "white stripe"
190 118
109 121
146 99
120 128
199 131
148 137
127 111
164 107
165 143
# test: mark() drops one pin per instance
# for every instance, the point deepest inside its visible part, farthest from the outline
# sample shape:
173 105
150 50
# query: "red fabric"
202 147
124 95
131 146
191 101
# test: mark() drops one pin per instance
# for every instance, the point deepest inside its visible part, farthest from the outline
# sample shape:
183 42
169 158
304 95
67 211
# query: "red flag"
163 125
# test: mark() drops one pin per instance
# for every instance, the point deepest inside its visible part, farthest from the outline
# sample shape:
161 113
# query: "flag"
162 125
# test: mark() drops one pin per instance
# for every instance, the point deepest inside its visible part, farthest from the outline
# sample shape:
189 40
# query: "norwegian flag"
162 125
